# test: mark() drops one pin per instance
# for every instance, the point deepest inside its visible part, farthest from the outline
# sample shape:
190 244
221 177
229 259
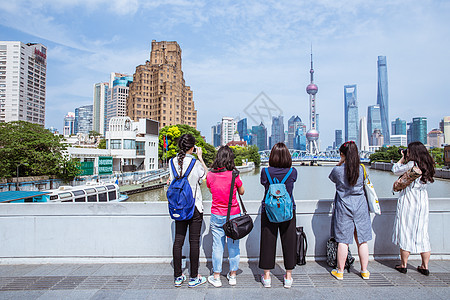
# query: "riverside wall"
144 232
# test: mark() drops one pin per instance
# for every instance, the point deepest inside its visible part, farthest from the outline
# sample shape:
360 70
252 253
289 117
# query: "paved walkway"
155 281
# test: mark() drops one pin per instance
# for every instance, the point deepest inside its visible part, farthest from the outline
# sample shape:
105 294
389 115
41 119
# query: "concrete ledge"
143 231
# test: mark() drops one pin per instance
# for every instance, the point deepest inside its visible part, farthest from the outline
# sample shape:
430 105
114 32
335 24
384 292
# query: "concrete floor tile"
17 270
42 270
63 270
107 294
85 270
23 295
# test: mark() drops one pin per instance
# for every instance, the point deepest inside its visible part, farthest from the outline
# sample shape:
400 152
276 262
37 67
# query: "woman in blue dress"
351 212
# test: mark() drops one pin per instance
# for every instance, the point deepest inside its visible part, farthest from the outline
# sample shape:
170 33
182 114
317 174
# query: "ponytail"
352 161
185 142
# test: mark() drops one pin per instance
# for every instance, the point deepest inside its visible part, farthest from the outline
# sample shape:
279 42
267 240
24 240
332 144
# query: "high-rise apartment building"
242 128
435 138
116 101
398 127
83 119
377 138
159 92
259 136
417 131
383 97
99 106
373 120
446 129
277 131
351 113
69 124
229 128
23 77
337 138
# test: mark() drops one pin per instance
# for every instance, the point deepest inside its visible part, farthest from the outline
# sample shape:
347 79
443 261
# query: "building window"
129 144
116 144
140 148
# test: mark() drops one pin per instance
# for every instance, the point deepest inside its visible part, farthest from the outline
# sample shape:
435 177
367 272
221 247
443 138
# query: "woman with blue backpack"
278 214
223 174
184 165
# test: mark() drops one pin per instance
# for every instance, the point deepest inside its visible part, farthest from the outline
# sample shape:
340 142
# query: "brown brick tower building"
158 91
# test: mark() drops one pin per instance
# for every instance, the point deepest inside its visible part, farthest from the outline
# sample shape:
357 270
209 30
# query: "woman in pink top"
219 183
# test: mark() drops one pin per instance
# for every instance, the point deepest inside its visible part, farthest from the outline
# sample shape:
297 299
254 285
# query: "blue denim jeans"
219 244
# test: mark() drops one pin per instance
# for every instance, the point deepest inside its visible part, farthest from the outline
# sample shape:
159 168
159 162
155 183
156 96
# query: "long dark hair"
352 161
185 142
419 154
224 159
280 156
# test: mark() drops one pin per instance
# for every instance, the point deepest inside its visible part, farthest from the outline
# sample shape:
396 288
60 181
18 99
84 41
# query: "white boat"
246 167
94 192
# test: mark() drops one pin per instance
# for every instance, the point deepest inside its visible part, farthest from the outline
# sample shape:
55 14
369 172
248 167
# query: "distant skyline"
233 51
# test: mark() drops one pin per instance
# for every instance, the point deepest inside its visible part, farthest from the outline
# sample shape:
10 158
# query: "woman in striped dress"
411 221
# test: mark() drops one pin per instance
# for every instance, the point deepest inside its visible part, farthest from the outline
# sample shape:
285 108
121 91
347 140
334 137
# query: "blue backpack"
279 207
179 195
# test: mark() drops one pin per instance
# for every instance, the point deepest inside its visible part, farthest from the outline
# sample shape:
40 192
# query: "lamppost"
17 178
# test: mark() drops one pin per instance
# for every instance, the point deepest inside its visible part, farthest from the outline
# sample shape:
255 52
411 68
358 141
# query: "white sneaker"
215 281
231 279
288 282
267 283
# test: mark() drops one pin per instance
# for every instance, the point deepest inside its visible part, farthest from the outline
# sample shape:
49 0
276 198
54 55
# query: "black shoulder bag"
239 227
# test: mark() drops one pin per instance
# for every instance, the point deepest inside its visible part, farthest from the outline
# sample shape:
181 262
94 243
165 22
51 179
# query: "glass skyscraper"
398 127
83 119
242 128
260 133
373 120
277 131
216 133
417 131
383 97
337 138
351 113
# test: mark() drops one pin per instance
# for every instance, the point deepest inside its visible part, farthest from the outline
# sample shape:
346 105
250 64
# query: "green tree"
249 153
170 134
34 151
94 133
254 155
386 154
438 156
102 144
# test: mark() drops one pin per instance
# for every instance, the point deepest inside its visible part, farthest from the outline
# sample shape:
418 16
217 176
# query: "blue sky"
233 50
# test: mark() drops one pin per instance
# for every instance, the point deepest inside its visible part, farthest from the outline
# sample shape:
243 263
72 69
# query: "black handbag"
239 227
302 246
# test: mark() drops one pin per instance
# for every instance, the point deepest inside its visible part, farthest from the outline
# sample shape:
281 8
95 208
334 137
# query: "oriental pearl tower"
312 135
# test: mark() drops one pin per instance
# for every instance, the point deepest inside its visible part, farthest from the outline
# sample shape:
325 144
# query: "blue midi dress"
351 211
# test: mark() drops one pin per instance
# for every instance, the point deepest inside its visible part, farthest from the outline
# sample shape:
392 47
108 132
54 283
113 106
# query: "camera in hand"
405 151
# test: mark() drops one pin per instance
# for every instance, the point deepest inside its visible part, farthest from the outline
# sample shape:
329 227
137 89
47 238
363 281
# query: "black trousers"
268 246
195 226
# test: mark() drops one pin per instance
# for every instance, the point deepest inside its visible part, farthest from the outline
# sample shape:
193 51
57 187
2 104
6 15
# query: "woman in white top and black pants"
186 144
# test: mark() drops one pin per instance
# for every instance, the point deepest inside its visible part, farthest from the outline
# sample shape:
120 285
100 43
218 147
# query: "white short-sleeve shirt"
196 177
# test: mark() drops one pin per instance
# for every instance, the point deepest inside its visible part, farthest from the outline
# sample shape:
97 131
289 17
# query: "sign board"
87 168
105 165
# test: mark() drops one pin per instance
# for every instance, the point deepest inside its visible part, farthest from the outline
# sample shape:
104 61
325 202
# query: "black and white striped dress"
411 221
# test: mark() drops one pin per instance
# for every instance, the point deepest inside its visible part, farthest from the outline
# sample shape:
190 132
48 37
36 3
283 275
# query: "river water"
312 183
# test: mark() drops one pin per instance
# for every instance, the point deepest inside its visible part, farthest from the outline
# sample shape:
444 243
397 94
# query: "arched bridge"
303 156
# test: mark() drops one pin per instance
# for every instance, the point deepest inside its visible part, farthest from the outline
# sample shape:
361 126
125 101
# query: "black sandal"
400 269
425 272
